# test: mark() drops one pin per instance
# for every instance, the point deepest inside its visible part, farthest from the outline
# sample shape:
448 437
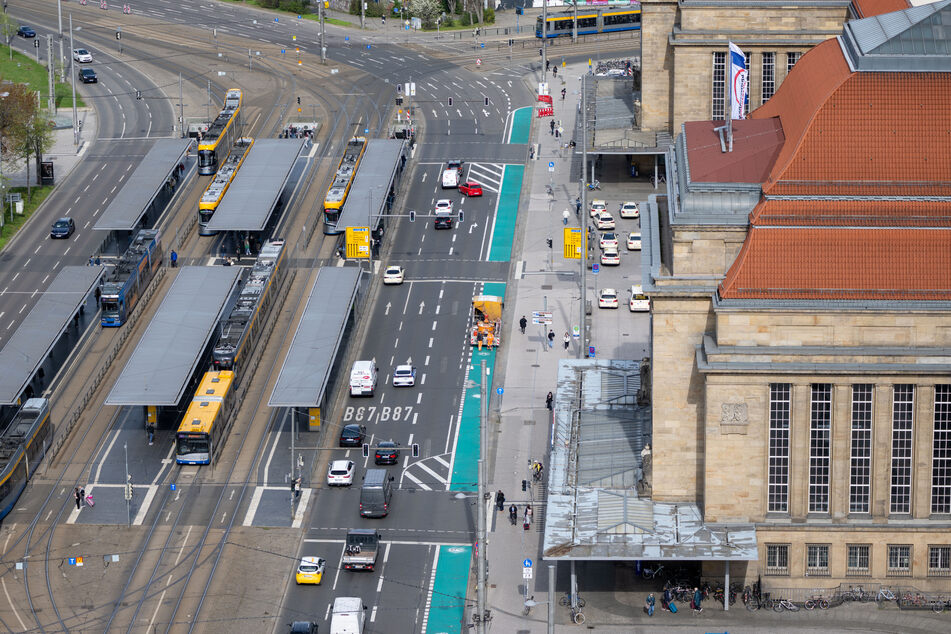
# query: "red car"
471 188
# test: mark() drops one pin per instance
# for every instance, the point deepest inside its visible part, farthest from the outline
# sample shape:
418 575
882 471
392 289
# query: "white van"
363 378
348 616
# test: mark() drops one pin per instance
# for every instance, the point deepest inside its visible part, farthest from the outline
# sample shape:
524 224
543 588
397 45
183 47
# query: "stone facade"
678 40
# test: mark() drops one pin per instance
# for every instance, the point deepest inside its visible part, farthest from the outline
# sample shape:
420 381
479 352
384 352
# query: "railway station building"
801 302
684 45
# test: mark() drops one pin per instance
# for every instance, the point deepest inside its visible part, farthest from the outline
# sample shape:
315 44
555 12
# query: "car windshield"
61 224
350 432
82 51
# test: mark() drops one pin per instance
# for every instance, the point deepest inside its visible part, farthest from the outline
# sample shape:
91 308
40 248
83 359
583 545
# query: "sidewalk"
64 154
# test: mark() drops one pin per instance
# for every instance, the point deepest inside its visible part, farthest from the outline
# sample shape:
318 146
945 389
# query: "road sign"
551 166
572 238
575 332
591 352
527 563
541 317
526 573
595 268
478 61
499 391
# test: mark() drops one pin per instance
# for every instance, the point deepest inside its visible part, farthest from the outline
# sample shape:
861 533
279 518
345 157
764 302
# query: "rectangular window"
778 486
939 561
791 59
941 451
860 466
769 75
719 85
820 438
777 559
857 560
903 405
817 561
899 561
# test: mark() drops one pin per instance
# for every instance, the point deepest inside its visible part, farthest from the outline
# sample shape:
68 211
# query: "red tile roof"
869 8
841 264
756 143
855 213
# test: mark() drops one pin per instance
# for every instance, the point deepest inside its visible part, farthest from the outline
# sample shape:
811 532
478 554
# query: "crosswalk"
489 175
429 474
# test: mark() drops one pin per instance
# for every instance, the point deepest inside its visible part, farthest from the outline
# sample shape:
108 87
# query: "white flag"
739 77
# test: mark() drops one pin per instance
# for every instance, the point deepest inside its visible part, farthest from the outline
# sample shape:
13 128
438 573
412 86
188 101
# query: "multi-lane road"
429 533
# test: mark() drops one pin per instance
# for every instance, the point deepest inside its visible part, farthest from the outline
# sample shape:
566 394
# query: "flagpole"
728 73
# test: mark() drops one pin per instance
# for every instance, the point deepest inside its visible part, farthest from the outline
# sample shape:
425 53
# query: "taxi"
597 206
310 570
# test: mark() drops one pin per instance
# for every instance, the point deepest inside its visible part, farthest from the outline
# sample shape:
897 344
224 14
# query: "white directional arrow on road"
473 226
458 112
387 311
434 112
421 306
485 113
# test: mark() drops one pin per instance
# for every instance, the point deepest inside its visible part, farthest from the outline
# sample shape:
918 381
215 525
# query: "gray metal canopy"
28 347
130 203
313 351
165 358
372 183
251 198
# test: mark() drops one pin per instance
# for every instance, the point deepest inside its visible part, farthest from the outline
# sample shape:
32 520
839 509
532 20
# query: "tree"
8 28
426 10
17 107
30 140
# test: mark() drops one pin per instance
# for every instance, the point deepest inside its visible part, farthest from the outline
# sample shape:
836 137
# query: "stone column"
881 450
924 442
799 452
841 443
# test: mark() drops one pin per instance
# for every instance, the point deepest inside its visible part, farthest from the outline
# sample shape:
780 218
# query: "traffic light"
539 52
416 450
524 485
366 450
486 102
412 216
128 490
298 101
548 240
461 216
450 102
399 101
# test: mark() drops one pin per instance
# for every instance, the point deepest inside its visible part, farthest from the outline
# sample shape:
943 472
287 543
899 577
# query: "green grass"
25 70
29 206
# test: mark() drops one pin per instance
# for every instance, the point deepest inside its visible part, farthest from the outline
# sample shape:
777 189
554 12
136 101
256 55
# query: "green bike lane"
447 611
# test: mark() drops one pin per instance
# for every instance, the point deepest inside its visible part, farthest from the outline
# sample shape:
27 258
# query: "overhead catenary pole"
482 500
323 33
181 106
545 39
582 349
574 24
72 75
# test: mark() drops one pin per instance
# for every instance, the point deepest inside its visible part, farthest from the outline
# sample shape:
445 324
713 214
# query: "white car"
608 240
393 275
443 204
82 56
640 303
630 210
634 241
404 376
340 473
597 206
610 257
607 298
604 220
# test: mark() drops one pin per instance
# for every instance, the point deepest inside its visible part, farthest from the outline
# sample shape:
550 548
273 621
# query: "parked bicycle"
916 600
857 593
884 594
650 573
817 602
940 604
784 604
577 617
565 600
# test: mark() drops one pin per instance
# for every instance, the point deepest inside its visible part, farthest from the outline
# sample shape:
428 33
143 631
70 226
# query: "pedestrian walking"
247 246
79 498
297 487
551 126
90 258
665 600
554 71
697 599
649 604
551 338
173 256
563 91
564 216
567 339
527 521
549 400
513 514
577 206
500 500
98 296
522 323
547 64
150 429
82 496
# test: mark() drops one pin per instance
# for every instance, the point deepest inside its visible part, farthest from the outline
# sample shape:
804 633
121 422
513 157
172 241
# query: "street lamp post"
484 419
582 349
72 76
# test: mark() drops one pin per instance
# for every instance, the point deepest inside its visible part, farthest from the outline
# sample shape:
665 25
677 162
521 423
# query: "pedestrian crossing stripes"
428 474
489 175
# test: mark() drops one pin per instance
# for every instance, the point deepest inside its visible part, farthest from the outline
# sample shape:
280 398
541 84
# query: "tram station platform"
256 190
43 341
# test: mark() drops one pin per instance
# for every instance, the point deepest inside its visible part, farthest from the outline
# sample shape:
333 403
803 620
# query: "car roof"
444 200
608 291
351 426
387 443
340 464
309 559
405 366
